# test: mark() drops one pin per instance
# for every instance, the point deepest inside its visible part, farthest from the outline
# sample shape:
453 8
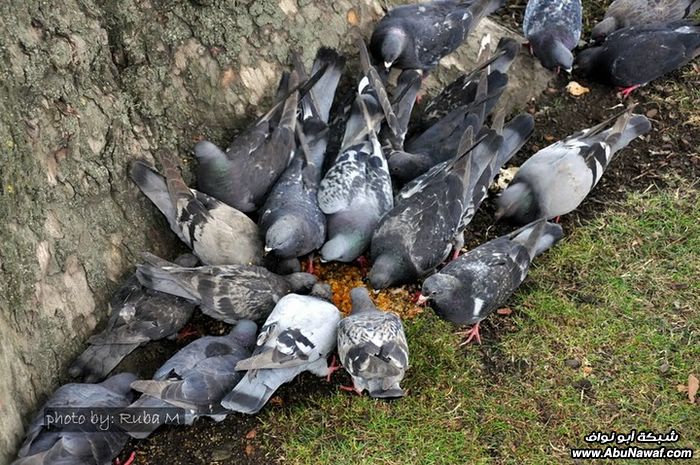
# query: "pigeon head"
586 60
404 166
603 28
281 239
322 291
301 283
518 203
387 270
245 332
551 52
120 383
393 44
361 301
343 248
448 297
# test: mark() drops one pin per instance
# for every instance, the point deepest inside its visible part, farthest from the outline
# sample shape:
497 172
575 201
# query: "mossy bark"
88 86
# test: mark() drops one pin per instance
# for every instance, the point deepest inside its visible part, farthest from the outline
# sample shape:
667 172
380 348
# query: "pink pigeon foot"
364 264
310 264
128 461
626 91
332 368
473 333
187 332
350 389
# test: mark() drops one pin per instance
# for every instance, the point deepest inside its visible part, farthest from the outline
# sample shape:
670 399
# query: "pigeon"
198 376
298 336
418 36
471 287
291 219
433 210
138 315
217 233
634 56
84 447
553 29
463 90
228 293
356 191
626 13
243 175
372 347
555 180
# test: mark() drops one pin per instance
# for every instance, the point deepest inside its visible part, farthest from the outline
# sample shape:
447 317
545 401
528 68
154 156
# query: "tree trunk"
88 86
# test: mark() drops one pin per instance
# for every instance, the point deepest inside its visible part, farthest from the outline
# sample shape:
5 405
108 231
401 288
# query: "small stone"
573 363
663 369
652 113
220 454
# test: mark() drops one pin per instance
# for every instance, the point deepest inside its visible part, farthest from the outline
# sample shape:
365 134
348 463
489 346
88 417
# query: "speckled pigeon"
634 56
372 347
43 447
138 315
244 174
418 36
463 90
291 219
470 288
626 13
198 376
298 336
356 191
433 210
217 233
555 180
553 29
227 293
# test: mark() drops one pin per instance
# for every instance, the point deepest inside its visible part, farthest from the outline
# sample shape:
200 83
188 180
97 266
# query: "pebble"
652 113
573 363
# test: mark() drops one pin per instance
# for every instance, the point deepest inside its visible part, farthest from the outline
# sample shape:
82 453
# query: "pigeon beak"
387 64
422 300
267 250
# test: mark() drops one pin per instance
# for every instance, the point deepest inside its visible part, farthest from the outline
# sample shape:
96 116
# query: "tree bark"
88 86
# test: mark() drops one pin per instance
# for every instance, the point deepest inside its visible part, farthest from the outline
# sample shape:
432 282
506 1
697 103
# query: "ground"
602 336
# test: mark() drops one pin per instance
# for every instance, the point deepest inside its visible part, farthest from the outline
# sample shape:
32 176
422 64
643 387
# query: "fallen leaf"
251 434
681 388
587 370
504 311
249 449
576 89
693 385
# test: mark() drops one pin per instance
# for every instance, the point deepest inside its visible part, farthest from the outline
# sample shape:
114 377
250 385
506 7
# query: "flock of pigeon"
402 186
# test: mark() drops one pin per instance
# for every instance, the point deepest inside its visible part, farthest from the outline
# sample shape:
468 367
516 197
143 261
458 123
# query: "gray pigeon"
244 174
471 287
217 233
555 180
418 36
298 336
626 13
138 315
433 210
198 376
372 347
291 219
227 293
634 56
553 29
356 191
44 447
463 90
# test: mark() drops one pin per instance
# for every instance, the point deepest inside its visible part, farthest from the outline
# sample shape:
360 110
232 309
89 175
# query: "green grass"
620 294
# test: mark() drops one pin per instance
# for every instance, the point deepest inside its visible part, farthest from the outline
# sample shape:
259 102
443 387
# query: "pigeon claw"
626 91
332 368
350 389
473 333
187 332
310 264
364 263
128 461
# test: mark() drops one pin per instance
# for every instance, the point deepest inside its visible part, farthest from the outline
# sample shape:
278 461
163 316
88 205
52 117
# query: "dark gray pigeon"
555 180
291 219
372 347
471 287
217 233
198 376
244 174
138 315
43 447
463 90
553 29
634 56
418 36
626 13
433 210
356 191
227 293
298 336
